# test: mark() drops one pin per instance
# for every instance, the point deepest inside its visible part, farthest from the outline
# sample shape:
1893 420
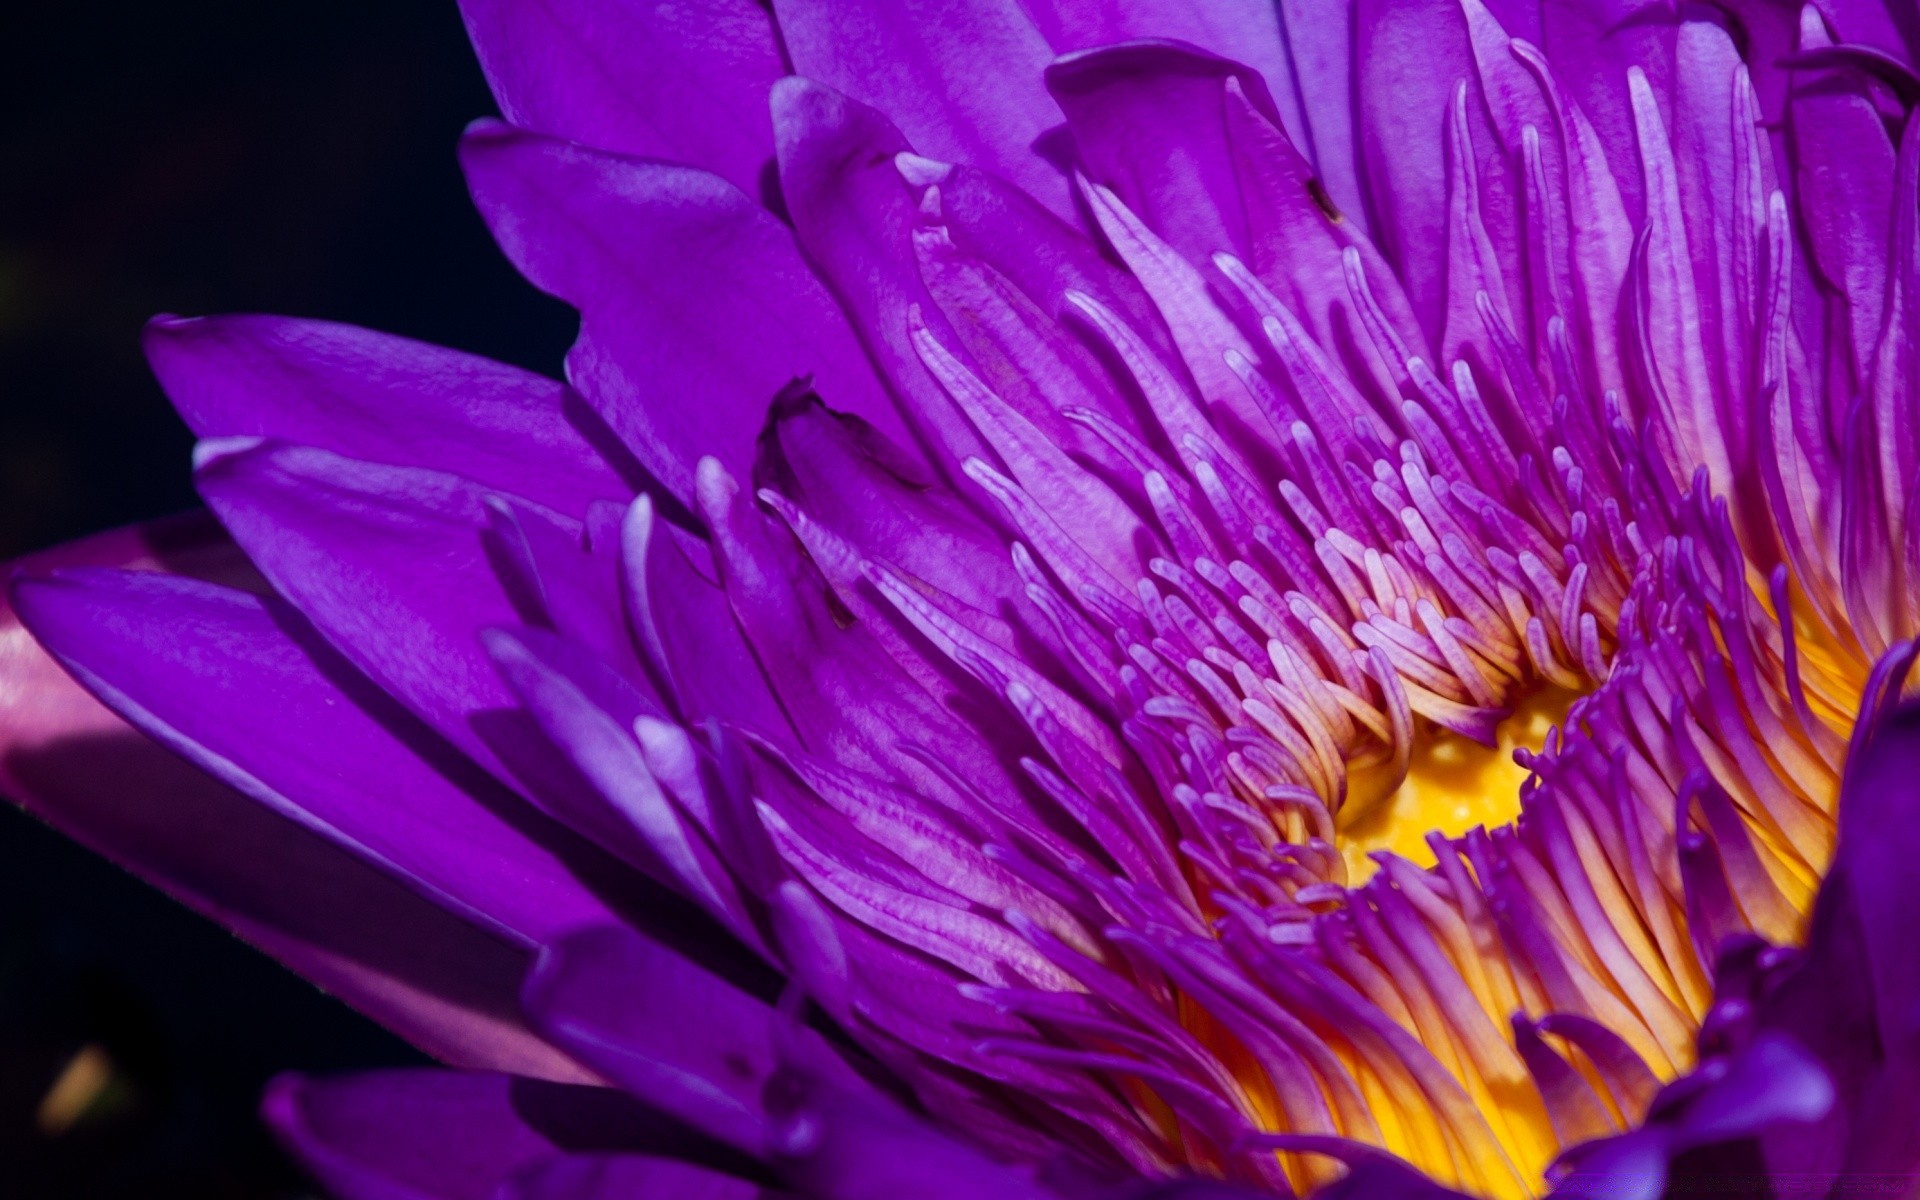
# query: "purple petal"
444 1135
381 398
243 688
960 80
681 620
389 562
674 1034
626 1177
1246 31
1411 57
696 309
1845 168
856 217
683 82
865 491
429 976
581 708
1149 123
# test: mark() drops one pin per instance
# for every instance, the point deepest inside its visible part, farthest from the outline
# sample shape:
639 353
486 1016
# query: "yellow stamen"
1453 784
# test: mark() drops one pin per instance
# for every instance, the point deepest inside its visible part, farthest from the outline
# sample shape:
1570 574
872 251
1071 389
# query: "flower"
1309 597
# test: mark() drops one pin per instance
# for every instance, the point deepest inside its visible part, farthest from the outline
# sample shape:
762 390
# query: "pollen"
1453 783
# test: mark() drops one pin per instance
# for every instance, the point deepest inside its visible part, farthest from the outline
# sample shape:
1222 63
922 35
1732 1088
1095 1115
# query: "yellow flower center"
1453 783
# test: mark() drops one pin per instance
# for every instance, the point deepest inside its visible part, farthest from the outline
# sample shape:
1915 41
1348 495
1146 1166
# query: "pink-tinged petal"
1149 122
679 1037
856 218
683 82
242 687
426 1134
431 977
625 1177
392 564
381 398
696 308
960 80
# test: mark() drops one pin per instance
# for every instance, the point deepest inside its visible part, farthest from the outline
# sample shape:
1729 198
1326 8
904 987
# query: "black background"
197 157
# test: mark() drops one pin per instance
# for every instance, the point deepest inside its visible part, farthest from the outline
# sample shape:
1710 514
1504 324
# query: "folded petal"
1246 31
696 308
244 688
381 398
684 82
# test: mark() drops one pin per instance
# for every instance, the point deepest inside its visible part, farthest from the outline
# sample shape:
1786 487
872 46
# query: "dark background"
203 156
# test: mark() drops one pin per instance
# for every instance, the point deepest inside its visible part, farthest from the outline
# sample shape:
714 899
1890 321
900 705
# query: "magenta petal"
1246 31
960 80
695 306
381 398
689 637
685 82
242 687
434 979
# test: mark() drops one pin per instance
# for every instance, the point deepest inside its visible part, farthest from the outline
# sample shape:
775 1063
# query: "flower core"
1452 784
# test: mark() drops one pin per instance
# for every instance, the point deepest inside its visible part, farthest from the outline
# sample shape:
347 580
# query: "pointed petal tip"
921 172
212 454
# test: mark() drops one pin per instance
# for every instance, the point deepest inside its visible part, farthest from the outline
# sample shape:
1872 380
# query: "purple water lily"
1146 599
